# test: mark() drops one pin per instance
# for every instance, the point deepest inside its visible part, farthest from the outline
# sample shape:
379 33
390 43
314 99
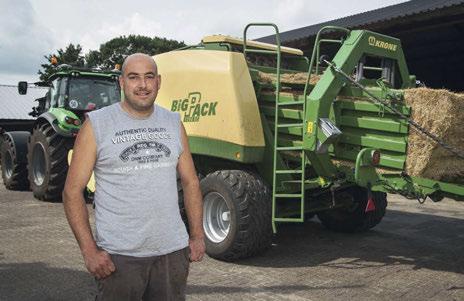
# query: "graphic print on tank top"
147 148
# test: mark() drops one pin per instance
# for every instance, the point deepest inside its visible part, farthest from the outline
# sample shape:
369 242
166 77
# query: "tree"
93 59
70 55
115 50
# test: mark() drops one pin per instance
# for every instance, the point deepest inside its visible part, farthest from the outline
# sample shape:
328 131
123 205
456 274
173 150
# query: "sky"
30 29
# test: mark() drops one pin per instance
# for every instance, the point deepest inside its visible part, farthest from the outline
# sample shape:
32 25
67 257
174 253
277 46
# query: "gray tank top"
136 202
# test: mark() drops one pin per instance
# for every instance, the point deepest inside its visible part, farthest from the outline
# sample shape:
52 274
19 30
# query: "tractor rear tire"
355 218
236 214
47 162
14 160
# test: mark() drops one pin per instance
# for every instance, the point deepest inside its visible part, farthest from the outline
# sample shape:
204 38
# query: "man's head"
140 81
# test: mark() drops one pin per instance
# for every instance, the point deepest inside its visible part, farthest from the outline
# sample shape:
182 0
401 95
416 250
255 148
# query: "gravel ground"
416 253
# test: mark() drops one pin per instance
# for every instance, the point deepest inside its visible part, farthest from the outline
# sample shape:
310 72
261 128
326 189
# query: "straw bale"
288 78
441 112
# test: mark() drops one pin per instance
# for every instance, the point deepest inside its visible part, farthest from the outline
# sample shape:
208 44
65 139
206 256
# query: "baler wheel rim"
215 221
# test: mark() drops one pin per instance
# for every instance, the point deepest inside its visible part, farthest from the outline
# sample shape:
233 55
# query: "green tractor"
37 159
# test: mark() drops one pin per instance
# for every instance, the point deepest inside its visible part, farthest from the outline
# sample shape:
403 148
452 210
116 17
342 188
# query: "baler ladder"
281 195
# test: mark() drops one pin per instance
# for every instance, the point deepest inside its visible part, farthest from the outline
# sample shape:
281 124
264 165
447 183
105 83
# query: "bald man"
141 249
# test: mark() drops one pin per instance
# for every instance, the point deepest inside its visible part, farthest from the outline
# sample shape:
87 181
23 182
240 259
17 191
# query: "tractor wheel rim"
38 164
8 165
216 221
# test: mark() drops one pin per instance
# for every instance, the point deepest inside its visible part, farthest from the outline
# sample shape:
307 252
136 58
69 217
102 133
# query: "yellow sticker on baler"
309 128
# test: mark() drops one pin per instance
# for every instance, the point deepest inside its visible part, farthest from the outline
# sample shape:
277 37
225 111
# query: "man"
135 148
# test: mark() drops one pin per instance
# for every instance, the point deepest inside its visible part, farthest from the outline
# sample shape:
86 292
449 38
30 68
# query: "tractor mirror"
22 88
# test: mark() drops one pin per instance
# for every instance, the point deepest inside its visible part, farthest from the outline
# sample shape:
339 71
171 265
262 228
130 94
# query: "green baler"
274 152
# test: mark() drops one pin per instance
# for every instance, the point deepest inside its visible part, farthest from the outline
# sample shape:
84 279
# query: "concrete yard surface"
415 253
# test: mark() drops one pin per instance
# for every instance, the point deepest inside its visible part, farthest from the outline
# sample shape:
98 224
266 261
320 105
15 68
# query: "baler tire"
248 199
14 169
55 164
355 219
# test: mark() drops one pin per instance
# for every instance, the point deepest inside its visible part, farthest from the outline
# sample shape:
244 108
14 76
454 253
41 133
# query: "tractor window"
61 97
92 93
54 93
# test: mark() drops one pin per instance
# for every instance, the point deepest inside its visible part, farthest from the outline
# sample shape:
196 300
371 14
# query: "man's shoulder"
166 113
103 111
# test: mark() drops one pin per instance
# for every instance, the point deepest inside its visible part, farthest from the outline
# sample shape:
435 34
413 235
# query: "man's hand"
197 249
99 263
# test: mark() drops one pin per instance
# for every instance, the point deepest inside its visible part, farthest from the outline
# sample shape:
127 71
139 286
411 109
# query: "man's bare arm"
80 170
192 200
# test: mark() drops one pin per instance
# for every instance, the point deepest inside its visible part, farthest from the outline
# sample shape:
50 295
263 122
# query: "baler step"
288 171
288 195
307 183
284 148
288 219
289 125
289 103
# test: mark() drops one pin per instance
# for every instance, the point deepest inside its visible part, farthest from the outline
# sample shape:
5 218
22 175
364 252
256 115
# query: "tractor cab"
77 90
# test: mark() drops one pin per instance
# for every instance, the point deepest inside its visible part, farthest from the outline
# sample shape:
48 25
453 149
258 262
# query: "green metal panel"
365 124
373 123
60 115
283 97
415 187
366 139
356 45
293 114
68 72
267 69
368 107
387 159
225 150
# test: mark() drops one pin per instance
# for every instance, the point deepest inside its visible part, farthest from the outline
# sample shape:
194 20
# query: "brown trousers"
146 278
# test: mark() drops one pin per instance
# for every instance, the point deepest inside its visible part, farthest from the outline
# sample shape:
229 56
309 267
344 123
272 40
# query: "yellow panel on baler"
214 94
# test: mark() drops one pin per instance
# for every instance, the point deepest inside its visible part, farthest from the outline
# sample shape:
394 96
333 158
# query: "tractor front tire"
47 162
14 161
236 214
355 218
